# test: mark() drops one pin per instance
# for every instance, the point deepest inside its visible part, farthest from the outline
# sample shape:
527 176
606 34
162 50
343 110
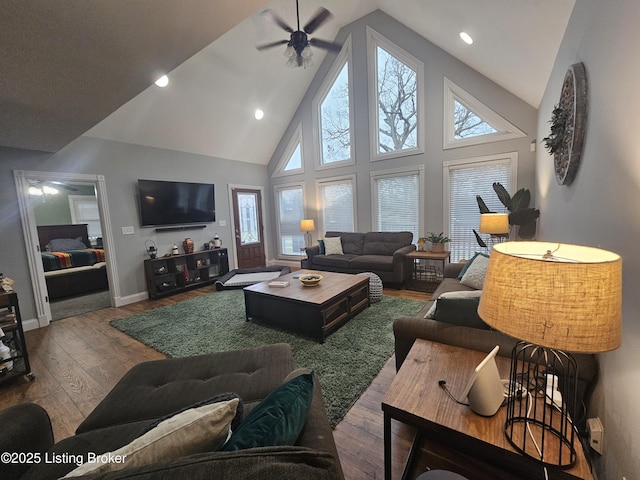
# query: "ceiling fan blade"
332 46
321 16
277 20
272 44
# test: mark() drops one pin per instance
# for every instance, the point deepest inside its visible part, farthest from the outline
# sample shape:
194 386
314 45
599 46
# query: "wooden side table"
422 279
415 399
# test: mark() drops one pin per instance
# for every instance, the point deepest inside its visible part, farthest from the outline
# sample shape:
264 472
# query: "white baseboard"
31 324
137 297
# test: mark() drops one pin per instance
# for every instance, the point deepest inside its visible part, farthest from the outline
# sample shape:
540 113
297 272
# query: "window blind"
398 203
337 206
290 212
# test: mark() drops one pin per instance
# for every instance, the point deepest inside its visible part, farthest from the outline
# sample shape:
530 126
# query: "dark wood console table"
415 399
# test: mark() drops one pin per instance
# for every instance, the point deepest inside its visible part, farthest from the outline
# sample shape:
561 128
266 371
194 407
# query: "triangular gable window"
291 162
468 121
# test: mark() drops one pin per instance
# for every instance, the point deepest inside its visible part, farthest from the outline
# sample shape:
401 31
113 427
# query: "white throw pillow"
474 276
333 246
196 430
457 294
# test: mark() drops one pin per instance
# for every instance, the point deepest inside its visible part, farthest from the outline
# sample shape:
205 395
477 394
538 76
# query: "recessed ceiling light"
163 81
259 114
466 38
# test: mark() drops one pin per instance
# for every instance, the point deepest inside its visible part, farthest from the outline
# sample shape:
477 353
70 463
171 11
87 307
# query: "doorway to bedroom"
67 237
70 238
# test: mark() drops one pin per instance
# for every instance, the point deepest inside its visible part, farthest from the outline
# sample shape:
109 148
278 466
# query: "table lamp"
556 299
494 223
308 226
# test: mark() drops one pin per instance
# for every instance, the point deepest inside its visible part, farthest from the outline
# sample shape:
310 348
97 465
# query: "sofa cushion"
333 246
195 430
333 261
378 263
459 311
160 387
385 243
474 276
279 418
352 243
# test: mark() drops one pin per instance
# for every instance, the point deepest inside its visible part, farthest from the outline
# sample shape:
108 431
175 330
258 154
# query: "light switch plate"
222 223
127 231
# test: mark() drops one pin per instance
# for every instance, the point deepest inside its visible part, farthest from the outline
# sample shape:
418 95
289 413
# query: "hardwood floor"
79 359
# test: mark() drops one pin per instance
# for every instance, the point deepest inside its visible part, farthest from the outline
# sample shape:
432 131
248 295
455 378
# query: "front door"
247 216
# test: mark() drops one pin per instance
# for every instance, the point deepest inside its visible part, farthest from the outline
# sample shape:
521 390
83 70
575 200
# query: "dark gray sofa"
154 389
383 253
472 333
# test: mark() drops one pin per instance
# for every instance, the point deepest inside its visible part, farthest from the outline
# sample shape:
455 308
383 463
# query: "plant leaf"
524 216
520 200
482 206
527 231
503 195
479 240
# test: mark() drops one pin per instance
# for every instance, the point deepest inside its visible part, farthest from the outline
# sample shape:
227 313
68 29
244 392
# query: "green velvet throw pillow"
278 419
459 311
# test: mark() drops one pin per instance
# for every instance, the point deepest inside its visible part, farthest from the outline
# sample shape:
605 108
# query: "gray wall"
122 165
437 64
54 209
600 208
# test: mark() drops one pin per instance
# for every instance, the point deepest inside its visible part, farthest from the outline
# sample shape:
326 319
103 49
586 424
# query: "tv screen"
175 203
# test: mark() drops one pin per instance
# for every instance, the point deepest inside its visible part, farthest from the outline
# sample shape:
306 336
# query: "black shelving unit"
176 273
11 324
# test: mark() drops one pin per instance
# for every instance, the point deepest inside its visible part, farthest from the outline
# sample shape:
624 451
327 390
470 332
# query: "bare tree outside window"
335 124
397 104
468 124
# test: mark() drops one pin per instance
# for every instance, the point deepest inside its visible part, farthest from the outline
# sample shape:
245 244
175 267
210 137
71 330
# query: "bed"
70 269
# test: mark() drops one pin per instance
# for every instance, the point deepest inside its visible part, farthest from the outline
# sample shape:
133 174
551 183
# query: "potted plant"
437 241
521 216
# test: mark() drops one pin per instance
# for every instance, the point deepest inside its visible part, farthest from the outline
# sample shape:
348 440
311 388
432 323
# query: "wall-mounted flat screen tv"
164 203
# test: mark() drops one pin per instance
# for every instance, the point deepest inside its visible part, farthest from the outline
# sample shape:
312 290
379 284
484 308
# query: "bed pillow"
65 244
333 246
196 430
474 276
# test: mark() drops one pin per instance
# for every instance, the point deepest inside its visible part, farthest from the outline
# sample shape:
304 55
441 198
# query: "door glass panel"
248 210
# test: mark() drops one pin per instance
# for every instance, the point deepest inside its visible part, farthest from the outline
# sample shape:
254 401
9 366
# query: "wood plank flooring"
79 359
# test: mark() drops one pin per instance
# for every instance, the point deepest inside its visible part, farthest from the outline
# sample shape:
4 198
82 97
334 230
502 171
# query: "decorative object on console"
568 125
555 298
151 249
217 243
187 245
308 226
174 250
310 279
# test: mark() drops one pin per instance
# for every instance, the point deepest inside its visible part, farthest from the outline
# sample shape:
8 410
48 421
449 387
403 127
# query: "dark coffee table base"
313 319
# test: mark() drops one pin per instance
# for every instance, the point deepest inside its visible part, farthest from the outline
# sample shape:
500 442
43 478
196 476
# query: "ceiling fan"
298 51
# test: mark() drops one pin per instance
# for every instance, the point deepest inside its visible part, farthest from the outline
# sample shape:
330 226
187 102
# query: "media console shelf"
176 273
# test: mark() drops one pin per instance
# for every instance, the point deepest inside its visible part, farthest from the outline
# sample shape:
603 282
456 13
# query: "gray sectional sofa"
383 253
460 325
155 389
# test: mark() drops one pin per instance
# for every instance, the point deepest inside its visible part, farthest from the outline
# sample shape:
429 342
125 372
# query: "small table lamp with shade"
556 299
308 226
496 225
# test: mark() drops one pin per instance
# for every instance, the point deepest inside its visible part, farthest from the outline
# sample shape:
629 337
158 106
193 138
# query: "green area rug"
346 363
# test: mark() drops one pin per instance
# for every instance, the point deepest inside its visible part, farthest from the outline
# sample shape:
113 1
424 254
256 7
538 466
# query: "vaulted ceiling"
71 67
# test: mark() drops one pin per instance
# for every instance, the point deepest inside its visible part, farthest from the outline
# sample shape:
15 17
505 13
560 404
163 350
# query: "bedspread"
73 258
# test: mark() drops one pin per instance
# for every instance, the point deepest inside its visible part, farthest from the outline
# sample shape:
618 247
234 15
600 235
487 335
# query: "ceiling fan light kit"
298 51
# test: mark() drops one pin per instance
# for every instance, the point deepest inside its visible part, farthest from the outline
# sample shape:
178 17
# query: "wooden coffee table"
316 311
414 398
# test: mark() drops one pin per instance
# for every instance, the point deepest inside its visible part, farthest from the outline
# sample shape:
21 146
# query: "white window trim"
341 179
345 56
276 201
296 139
510 157
375 39
395 172
452 93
